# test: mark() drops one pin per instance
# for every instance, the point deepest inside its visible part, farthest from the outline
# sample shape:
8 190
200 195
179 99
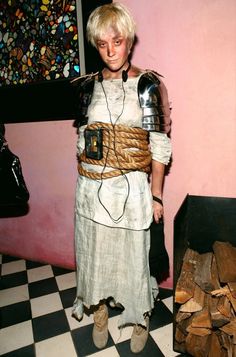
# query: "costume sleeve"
160 146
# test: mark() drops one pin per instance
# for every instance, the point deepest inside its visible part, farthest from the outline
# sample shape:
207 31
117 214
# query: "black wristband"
157 200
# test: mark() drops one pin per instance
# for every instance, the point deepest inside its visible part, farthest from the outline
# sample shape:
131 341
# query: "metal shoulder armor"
153 99
83 95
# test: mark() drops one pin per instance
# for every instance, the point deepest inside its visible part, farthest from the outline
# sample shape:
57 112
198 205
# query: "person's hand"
158 210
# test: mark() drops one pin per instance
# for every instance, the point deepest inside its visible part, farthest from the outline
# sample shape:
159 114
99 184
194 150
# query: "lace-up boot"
100 328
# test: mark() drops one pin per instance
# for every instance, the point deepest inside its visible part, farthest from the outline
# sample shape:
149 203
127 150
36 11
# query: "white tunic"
113 215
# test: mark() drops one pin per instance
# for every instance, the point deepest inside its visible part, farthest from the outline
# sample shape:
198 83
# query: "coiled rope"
125 149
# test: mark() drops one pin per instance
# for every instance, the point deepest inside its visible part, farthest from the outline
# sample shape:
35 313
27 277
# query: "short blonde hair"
112 15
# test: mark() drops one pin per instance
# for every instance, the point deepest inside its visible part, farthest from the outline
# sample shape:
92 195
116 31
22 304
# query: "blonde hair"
114 16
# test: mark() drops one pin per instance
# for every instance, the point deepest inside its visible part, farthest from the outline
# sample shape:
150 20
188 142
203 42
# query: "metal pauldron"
153 100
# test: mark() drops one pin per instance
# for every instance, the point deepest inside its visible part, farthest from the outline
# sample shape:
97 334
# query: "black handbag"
13 189
158 256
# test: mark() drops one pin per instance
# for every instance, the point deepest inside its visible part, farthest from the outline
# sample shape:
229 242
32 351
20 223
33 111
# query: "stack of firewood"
205 297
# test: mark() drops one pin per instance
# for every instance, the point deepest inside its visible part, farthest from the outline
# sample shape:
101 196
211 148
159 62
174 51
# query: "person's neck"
108 74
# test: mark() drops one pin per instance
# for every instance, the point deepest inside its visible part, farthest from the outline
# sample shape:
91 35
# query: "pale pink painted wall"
192 43
47 153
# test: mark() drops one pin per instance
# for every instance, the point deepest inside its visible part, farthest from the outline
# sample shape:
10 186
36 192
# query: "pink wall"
47 154
192 43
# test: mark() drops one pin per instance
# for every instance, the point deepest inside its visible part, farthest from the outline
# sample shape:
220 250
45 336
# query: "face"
114 50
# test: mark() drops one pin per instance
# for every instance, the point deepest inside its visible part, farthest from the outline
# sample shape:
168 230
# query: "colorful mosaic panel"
38 41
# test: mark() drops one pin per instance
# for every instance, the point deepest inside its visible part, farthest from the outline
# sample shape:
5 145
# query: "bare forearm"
158 171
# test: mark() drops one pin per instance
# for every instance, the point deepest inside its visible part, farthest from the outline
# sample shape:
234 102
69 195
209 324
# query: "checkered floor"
35 319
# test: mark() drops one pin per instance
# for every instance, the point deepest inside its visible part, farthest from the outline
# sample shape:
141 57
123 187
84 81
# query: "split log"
179 335
226 344
196 303
234 350
232 288
220 292
197 346
232 300
215 347
199 331
185 285
206 275
182 316
226 291
224 306
217 318
215 274
226 261
183 325
230 330
202 319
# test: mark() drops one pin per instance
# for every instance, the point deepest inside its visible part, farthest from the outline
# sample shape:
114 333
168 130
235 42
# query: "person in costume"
124 120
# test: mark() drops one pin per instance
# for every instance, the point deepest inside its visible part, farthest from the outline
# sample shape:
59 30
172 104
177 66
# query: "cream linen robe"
112 217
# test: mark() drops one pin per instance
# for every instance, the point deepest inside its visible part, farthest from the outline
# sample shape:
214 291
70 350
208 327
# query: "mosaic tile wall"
38 41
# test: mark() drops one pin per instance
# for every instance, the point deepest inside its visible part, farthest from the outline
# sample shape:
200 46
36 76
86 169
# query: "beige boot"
100 328
139 337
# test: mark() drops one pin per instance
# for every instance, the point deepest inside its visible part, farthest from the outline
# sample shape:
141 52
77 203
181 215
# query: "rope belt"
125 149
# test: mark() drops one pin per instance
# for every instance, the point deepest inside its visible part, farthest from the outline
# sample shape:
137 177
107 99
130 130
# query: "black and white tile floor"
35 317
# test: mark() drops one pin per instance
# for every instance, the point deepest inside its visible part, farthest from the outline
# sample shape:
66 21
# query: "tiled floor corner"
36 321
